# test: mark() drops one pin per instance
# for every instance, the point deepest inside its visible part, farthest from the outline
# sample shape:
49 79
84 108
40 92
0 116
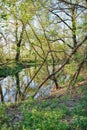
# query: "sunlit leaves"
70 68
26 10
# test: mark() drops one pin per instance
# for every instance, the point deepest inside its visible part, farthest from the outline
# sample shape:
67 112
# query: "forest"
43 65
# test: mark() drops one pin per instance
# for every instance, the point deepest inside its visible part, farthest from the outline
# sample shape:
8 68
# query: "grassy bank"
68 112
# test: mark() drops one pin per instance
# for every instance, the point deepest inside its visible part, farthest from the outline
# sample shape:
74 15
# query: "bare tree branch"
63 65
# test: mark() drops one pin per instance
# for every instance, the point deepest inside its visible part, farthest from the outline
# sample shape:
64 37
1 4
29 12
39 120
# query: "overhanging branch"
63 65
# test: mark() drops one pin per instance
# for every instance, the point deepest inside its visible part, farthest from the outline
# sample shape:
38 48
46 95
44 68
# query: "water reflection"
12 87
8 86
16 88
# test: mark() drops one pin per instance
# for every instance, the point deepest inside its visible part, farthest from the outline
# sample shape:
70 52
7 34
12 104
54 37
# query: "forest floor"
65 112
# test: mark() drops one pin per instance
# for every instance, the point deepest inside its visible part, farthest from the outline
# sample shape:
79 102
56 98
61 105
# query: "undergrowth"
64 113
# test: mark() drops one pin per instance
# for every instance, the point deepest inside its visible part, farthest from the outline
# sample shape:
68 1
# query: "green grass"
64 113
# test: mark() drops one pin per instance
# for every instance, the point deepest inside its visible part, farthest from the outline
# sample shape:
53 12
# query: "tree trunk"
1 93
74 27
17 52
19 45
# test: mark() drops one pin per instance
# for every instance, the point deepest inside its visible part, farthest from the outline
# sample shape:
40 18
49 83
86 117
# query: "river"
21 85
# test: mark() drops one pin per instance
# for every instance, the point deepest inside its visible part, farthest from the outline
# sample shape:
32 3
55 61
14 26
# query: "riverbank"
67 112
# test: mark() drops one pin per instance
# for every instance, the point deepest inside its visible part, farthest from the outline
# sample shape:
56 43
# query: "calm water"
20 86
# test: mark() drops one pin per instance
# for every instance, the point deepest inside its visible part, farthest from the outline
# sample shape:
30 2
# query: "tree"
54 33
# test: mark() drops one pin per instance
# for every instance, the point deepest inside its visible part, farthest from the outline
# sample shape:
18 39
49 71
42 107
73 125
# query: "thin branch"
60 19
76 74
63 65
37 72
77 5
